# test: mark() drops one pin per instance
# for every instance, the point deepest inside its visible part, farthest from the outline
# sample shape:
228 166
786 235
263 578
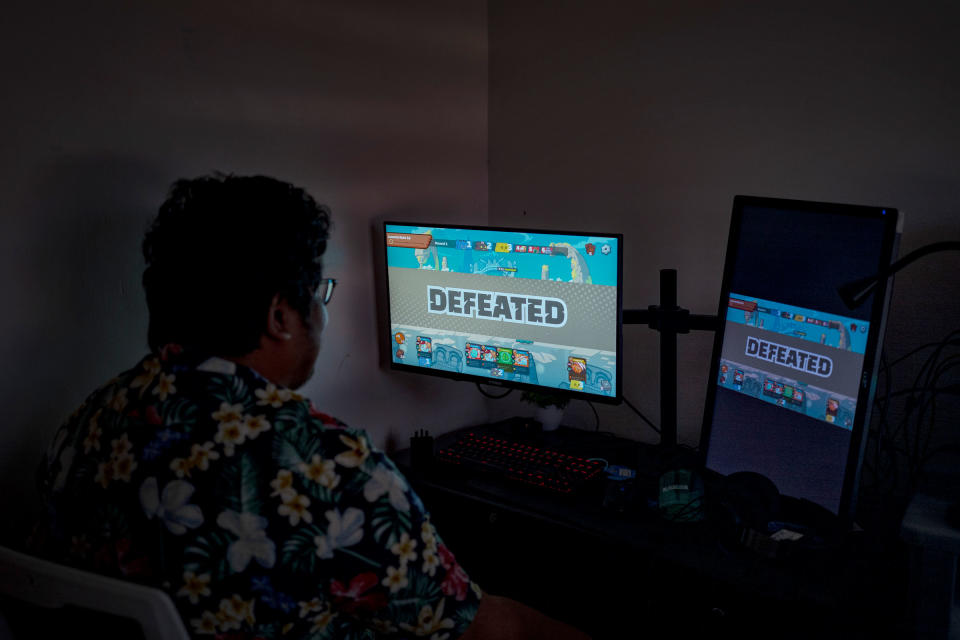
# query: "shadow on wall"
80 311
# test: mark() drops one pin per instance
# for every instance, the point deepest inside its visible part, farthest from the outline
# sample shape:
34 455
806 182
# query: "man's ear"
280 317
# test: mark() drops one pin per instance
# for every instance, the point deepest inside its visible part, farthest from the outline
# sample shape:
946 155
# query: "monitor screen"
537 310
793 372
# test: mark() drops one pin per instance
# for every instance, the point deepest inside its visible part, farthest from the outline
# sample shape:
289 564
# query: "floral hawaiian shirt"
261 517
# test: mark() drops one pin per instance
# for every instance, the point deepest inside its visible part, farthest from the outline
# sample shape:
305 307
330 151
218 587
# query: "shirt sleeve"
388 569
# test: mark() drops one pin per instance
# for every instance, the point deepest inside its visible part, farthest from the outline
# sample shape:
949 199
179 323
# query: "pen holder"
421 449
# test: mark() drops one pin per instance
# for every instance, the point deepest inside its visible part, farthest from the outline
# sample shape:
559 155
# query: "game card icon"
424 346
833 408
488 356
425 351
505 359
577 370
474 354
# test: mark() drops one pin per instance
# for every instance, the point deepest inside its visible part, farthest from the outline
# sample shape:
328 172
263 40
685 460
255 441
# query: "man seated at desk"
203 472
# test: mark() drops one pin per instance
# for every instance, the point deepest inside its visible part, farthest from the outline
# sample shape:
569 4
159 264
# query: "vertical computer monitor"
794 369
531 309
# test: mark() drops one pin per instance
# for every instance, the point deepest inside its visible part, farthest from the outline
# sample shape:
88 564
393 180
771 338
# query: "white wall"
648 117
376 108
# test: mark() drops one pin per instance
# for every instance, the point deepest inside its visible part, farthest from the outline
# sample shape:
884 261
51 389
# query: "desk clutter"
647 524
626 479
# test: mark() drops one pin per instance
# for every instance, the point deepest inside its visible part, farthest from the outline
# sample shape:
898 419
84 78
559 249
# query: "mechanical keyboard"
517 461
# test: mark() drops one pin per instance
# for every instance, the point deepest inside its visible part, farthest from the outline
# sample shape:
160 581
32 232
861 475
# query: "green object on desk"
681 496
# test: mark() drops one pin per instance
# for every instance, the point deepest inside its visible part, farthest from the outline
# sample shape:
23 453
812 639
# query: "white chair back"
25 578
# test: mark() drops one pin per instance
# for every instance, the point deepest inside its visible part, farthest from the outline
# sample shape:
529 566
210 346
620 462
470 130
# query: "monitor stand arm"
669 320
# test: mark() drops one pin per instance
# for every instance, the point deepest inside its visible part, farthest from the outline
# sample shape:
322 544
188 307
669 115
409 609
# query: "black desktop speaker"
421 450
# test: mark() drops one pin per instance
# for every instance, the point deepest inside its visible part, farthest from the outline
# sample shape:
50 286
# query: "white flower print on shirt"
172 506
273 396
345 530
356 455
382 481
253 543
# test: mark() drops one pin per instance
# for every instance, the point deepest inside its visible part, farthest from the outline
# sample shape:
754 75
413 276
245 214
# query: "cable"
935 389
905 445
955 335
490 395
595 414
882 468
925 387
642 417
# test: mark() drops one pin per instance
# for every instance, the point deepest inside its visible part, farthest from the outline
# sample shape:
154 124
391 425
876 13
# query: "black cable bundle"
901 438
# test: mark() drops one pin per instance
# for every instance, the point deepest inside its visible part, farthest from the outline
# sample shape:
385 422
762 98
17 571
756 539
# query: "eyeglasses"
324 290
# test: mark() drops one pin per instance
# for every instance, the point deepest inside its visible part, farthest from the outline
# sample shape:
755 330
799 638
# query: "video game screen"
794 369
506 306
800 359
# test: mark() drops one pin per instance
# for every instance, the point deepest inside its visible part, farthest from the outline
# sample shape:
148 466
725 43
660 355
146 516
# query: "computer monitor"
536 310
794 369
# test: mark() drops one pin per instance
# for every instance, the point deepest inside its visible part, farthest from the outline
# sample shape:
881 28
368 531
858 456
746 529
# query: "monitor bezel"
880 304
617 398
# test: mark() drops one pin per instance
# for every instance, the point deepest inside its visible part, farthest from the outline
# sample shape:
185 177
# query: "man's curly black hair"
220 249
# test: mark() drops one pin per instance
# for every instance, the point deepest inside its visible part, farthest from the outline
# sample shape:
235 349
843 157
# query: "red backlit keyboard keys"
517 461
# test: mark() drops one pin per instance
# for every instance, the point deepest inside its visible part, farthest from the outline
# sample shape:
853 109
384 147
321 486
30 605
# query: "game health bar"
743 305
499 247
798 317
424 240
409 240
506 247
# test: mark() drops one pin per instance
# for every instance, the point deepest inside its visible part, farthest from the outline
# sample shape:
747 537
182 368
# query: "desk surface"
834 578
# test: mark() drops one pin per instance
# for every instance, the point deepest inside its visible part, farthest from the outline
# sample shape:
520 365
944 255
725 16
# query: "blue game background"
602 267
781 318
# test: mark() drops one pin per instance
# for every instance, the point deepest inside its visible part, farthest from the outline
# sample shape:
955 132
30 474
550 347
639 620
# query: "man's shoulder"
216 405
112 393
